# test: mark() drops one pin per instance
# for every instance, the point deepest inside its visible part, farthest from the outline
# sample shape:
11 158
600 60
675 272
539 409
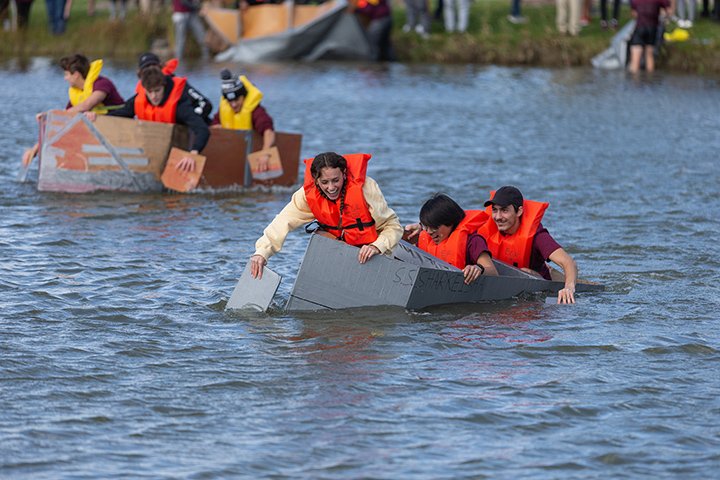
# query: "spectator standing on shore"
642 43
56 16
515 14
185 14
585 14
686 12
417 17
604 14
456 14
376 17
567 16
23 13
116 14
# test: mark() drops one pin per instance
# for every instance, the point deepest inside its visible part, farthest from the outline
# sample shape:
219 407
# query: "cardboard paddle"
274 169
253 293
179 181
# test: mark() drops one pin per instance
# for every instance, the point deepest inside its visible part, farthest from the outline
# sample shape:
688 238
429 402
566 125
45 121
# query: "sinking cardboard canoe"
287 31
330 277
120 154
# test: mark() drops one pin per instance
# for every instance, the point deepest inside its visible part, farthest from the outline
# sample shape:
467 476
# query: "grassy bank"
490 39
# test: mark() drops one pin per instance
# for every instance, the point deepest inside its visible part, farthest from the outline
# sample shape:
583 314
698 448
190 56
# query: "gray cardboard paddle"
253 293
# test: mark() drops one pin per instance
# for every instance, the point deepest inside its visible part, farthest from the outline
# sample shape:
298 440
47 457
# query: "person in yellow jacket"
330 178
88 90
240 109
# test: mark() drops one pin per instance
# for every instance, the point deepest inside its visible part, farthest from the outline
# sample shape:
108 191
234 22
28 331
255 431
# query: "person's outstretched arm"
569 268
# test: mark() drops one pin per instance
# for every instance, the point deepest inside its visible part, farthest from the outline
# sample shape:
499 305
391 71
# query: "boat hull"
330 277
120 154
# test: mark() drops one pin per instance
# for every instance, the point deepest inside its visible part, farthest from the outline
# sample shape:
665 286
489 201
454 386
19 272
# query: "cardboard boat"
330 277
120 154
287 31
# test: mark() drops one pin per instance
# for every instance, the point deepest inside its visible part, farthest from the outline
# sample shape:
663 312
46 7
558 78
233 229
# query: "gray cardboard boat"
330 277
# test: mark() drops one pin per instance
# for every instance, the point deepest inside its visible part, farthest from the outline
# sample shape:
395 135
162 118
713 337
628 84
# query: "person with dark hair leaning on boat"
201 104
346 204
88 91
165 99
450 233
240 109
516 237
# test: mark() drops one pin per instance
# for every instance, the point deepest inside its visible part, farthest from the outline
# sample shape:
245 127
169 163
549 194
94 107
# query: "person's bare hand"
566 295
367 252
28 155
92 116
411 232
471 273
257 263
186 164
264 163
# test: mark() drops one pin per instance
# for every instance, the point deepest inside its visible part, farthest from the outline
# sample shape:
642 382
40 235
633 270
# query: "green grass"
94 36
490 39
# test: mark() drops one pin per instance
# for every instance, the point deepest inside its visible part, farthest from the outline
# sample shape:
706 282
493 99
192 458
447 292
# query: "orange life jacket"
514 249
453 249
354 225
165 113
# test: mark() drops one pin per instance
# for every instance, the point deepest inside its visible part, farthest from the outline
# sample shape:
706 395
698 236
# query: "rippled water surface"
117 359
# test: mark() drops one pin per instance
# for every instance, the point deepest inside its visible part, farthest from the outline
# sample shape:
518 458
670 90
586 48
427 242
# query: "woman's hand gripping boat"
330 277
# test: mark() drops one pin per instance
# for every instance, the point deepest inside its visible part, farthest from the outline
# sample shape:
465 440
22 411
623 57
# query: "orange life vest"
514 249
165 113
453 249
354 225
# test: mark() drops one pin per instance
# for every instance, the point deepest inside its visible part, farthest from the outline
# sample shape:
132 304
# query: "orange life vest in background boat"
170 66
453 249
144 110
354 225
514 249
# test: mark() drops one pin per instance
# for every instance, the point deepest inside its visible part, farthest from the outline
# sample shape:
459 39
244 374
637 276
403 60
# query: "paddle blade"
253 293
179 181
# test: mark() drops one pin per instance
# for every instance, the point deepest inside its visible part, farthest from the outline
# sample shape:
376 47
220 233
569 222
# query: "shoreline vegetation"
490 40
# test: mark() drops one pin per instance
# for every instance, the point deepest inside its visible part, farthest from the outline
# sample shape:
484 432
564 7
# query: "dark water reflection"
117 359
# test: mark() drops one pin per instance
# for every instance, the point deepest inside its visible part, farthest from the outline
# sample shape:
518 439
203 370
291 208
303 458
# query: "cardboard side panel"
225 152
264 20
304 14
331 277
150 140
77 156
223 21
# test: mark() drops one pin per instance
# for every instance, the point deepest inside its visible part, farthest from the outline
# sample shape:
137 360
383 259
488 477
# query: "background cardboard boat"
77 155
287 31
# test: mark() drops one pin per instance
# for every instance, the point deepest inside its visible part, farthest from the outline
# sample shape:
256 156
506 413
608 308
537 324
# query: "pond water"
117 359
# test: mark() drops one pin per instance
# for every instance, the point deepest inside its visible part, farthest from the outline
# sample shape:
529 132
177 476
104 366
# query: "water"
118 361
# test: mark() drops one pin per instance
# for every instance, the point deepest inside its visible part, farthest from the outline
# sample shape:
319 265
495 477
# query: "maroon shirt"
374 12
185 6
648 11
103 84
542 247
261 120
